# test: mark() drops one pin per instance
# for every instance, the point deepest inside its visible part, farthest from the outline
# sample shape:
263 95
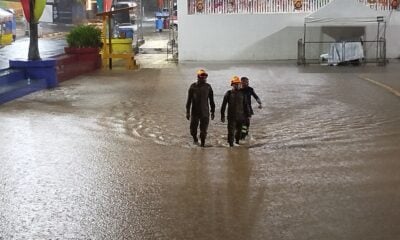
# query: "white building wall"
393 35
237 37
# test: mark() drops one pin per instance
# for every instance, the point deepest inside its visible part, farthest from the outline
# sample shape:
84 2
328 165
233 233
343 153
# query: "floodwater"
109 156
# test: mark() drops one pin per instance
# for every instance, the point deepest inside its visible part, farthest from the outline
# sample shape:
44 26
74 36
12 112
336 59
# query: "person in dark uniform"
200 100
248 92
238 110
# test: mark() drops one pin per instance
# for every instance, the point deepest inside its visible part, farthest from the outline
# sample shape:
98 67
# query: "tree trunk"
33 35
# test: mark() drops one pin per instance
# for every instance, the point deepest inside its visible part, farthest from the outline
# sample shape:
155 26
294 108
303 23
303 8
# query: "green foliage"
84 36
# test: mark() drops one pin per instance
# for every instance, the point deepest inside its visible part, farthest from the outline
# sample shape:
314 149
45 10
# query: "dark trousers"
194 124
234 130
245 132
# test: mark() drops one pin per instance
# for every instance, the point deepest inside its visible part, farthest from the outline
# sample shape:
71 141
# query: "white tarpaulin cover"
343 12
5 15
343 52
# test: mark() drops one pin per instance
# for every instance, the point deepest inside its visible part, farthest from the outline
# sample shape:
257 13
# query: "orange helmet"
235 80
202 72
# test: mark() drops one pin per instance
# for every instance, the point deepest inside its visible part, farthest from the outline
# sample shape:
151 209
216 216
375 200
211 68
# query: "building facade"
240 30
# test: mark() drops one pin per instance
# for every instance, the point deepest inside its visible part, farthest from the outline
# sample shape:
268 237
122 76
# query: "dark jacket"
200 97
238 107
248 92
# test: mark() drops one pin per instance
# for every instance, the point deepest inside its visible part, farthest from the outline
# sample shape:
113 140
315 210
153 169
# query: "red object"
394 4
200 5
25 7
77 61
298 4
166 23
107 5
160 4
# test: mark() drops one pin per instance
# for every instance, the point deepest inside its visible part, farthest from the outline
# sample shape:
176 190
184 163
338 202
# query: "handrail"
205 7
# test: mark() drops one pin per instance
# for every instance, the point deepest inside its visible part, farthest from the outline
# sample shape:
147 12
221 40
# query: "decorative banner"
99 6
107 5
199 5
38 10
394 4
25 7
298 4
103 5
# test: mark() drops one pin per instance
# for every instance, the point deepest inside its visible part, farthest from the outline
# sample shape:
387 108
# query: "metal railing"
268 6
252 6
374 51
378 4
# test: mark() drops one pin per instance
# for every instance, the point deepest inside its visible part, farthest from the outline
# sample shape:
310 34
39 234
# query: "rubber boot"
244 132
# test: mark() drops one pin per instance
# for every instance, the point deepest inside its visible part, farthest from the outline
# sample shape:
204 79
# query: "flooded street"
109 156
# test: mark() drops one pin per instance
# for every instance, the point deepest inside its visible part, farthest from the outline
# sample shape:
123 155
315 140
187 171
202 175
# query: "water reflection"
243 200
218 198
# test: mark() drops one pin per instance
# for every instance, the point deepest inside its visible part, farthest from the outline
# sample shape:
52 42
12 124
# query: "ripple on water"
310 127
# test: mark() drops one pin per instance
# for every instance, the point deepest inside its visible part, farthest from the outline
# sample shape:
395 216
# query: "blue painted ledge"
24 77
39 69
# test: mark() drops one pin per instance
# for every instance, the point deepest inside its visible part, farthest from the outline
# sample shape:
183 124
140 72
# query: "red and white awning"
5 16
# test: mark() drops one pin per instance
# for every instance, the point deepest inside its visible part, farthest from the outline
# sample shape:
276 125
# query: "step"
152 50
10 75
20 88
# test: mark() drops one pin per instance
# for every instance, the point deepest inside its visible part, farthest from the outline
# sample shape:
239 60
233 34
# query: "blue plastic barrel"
8 27
127 31
159 24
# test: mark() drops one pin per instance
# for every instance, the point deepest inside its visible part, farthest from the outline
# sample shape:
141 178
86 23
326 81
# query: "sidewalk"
153 53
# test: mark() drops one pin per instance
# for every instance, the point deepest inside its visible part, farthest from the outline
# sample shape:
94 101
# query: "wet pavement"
109 156
19 49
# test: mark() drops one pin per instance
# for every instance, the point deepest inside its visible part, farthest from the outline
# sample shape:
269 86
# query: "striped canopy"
5 16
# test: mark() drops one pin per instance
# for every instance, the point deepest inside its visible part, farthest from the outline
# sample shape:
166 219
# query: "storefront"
7 27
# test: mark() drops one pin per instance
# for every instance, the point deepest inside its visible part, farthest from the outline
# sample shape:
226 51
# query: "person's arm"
189 102
212 103
253 93
246 107
224 102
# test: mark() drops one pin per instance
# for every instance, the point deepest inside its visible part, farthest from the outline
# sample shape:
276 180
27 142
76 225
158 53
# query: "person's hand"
188 116
259 106
223 119
212 116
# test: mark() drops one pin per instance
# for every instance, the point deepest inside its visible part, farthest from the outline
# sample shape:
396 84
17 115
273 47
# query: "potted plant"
85 42
84 39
